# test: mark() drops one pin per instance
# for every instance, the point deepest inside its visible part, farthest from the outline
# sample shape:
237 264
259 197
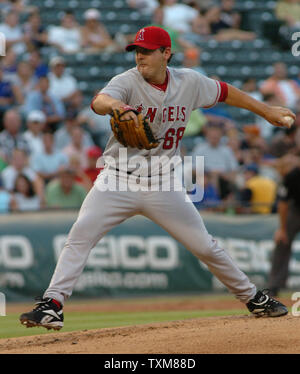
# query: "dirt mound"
233 334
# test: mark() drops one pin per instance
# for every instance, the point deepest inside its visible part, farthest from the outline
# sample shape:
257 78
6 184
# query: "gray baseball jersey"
168 111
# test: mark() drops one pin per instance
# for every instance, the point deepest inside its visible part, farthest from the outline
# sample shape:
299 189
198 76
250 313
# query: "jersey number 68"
173 136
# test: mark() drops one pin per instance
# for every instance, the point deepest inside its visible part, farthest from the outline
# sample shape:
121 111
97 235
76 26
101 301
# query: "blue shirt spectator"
39 67
6 93
42 99
62 136
48 162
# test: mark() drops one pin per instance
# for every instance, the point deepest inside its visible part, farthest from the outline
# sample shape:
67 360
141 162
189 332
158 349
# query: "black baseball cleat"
264 305
48 313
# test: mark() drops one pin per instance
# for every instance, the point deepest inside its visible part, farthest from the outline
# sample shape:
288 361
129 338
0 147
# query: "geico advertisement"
137 252
133 261
129 252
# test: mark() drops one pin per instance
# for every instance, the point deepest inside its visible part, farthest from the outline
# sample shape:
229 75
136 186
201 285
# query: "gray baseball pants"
101 211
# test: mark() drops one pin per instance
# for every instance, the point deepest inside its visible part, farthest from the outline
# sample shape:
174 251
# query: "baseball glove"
128 134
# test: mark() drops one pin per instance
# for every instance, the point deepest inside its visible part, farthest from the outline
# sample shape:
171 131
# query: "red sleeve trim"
224 91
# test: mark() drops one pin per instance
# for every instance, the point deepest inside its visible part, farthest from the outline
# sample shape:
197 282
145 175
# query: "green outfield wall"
135 258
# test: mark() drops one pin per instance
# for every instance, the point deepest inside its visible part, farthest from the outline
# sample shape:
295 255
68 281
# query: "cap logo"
140 35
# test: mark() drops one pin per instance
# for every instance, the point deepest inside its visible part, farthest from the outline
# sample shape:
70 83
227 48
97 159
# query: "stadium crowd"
50 140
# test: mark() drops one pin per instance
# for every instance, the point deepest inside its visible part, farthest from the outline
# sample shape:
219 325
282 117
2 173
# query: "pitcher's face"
151 63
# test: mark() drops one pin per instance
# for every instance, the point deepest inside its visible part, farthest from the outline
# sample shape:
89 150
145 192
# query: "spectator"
175 16
285 90
40 69
266 165
94 36
13 33
36 121
62 137
93 154
98 126
145 7
192 60
48 161
211 199
251 88
234 142
201 27
259 193
64 192
12 137
266 130
75 105
19 165
62 84
219 159
284 142
289 220
219 115
195 124
80 176
3 163
252 137
36 33
25 199
289 12
9 63
297 80
18 6
9 94
5 6
41 99
76 147
225 22
5 199
201 5
66 37
24 80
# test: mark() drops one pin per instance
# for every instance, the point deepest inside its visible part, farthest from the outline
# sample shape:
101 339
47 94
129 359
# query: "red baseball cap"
151 37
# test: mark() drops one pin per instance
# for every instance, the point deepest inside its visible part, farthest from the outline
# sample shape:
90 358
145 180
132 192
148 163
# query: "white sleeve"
118 88
207 91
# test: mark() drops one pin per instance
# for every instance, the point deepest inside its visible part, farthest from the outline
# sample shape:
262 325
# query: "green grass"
10 326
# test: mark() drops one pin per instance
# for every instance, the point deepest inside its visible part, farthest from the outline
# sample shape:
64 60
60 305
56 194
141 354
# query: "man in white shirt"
219 159
178 16
66 37
12 31
36 121
48 162
62 84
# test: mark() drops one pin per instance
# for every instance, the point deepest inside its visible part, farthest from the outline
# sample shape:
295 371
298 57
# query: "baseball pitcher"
150 106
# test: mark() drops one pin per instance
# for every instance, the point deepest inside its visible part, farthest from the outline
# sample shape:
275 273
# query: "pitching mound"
234 334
